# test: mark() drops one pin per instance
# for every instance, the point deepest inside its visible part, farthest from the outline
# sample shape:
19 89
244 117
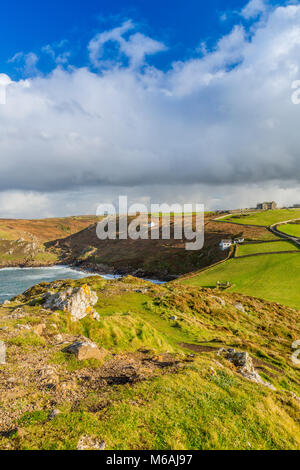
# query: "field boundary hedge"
267 253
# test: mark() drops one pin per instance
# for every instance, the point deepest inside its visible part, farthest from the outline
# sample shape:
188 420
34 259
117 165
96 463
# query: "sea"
14 281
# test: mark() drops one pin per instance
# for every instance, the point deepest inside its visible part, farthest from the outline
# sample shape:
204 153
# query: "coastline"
108 270
91 270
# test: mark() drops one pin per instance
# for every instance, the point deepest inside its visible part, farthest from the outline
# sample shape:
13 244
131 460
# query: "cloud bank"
218 126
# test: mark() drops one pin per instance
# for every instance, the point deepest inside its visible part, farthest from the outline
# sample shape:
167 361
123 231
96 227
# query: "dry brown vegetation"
160 258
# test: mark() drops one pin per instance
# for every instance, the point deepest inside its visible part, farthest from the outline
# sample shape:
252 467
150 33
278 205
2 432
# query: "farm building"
265 206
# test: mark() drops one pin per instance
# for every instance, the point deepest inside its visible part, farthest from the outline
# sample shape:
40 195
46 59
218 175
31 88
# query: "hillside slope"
161 383
22 242
73 240
163 259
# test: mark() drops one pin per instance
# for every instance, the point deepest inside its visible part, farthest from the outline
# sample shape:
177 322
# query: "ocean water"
14 281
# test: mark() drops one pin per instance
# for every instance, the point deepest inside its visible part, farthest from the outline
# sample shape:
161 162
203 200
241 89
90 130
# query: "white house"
225 244
239 240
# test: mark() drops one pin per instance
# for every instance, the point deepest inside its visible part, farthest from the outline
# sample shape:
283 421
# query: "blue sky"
162 101
182 25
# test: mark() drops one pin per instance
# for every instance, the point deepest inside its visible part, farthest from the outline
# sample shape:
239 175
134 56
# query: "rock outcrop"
219 300
244 364
240 307
90 443
39 329
78 302
83 350
2 353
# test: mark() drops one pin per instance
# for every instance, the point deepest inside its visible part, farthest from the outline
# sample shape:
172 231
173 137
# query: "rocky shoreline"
139 273
97 269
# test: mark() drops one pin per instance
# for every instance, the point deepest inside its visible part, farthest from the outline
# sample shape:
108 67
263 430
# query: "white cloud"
136 47
219 129
26 62
253 9
56 52
24 204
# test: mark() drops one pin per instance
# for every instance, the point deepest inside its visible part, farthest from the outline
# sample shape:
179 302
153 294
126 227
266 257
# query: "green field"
290 229
264 218
274 278
252 248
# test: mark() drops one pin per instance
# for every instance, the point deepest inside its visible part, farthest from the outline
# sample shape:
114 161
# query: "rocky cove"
14 281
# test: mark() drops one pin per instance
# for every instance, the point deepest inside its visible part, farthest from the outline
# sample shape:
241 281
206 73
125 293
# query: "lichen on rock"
78 302
244 364
84 350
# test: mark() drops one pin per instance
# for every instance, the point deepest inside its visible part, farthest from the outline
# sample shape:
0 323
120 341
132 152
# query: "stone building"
265 206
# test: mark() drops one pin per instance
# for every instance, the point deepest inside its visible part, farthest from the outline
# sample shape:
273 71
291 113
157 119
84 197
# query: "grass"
290 229
189 408
264 218
45 257
252 248
71 363
27 339
131 321
274 278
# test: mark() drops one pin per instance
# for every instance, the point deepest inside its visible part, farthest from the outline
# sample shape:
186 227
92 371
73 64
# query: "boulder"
19 326
59 338
83 350
240 307
54 413
219 300
244 364
39 329
90 443
2 353
48 377
78 302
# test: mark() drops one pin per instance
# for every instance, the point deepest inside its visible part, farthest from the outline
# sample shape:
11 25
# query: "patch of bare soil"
199 347
31 381
128 369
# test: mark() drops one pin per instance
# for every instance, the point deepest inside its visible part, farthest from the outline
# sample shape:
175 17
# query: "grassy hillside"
290 229
253 248
149 392
265 218
73 240
227 230
22 242
159 258
272 277
43 229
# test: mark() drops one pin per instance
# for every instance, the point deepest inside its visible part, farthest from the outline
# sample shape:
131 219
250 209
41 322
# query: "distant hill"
22 242
159 258
73 240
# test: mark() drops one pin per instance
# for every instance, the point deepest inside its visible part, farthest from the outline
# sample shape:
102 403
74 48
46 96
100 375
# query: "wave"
14 284
18 268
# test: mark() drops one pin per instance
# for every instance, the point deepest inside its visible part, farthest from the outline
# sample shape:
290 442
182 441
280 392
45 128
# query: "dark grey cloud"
206 123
